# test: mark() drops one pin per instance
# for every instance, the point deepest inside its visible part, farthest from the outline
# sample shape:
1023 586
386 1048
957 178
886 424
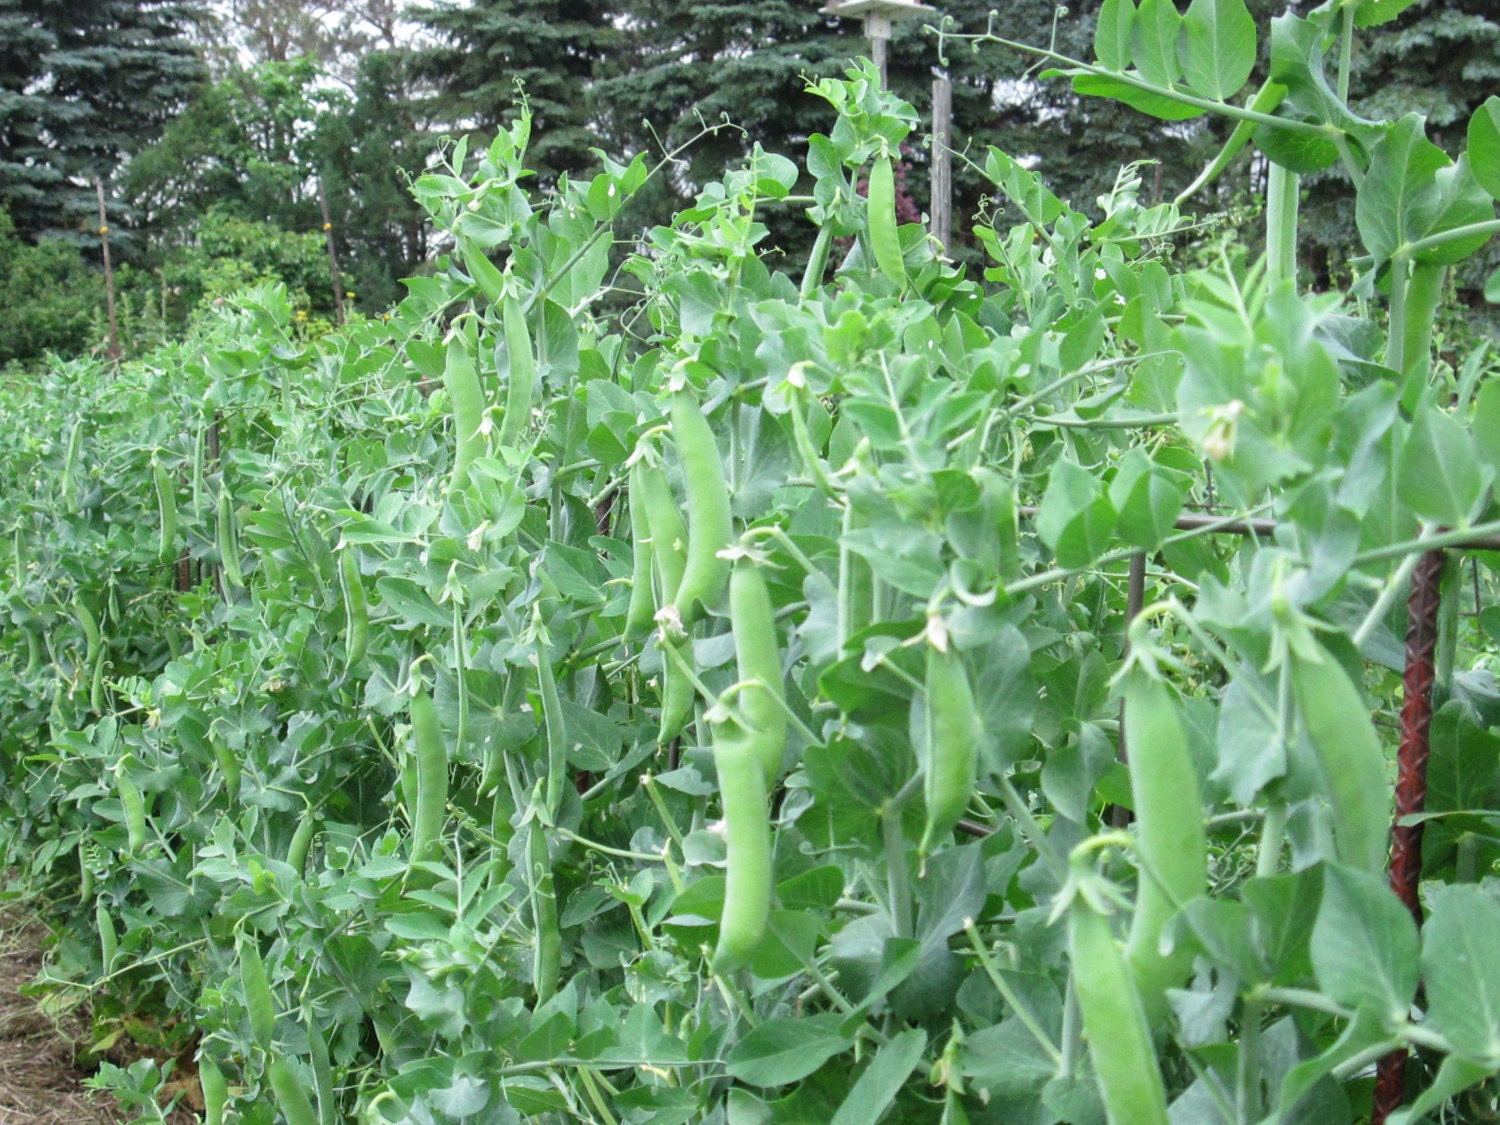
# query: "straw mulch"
40 1080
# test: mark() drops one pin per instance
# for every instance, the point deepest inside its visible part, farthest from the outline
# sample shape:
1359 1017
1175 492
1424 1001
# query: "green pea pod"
521 388
229 766
96 684
1350 759
86 875
200 445
467 403
70 459
91 636
322 1068
296 852
166 507
1114 1022
229 541
356 609
710 524
291 1098
641 612
260 1003
817 262
109 940
885 239
134 805
677 692
856 582
747 842
953 733
669 535
546 960
758 657
33 653
555 730
215 1091
431 754
1169 838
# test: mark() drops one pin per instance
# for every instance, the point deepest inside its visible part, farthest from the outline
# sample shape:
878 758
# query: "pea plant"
631 684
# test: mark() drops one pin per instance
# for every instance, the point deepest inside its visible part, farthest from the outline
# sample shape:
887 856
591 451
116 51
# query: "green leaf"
1486 425
1297 49
1112 33
1364 944
1452 200
1373 12
1251 752
1076 517
1461 967
1157 105
1402 168
1440 477
787 1049
882 1080
1492 288
1484 145
1153 42
1006 1060
1219 47
1148 499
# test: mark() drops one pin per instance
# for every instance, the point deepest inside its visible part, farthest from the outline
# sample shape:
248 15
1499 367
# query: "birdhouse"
880 15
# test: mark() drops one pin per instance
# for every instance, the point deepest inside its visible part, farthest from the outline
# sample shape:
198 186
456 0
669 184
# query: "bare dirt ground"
40 1082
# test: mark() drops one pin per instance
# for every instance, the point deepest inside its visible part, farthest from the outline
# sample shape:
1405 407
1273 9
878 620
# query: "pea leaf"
1452 200
1218 47
1373 12
1461 967
1484 145
1076 517
787 1049
1157 105
1440 477
1364 944
1402 167
1153 42
882 1080
1112 33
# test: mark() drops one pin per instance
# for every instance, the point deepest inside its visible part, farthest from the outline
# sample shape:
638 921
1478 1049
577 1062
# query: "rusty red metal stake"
1411 783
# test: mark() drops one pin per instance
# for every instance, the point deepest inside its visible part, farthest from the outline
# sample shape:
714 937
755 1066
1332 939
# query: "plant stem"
1247 1074
1346 52
1208 105
1456 234
897 876
1456 538
1281 224
1395 343
1010 996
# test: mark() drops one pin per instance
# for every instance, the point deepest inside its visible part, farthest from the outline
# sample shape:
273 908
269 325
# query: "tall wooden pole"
942 163
333 258
109 274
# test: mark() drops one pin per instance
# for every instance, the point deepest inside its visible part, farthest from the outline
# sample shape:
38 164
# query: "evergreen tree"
368 154
83 85
552 47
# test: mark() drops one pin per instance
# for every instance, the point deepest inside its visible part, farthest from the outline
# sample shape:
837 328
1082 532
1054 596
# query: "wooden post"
942 163
878 45
333 258
109 274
